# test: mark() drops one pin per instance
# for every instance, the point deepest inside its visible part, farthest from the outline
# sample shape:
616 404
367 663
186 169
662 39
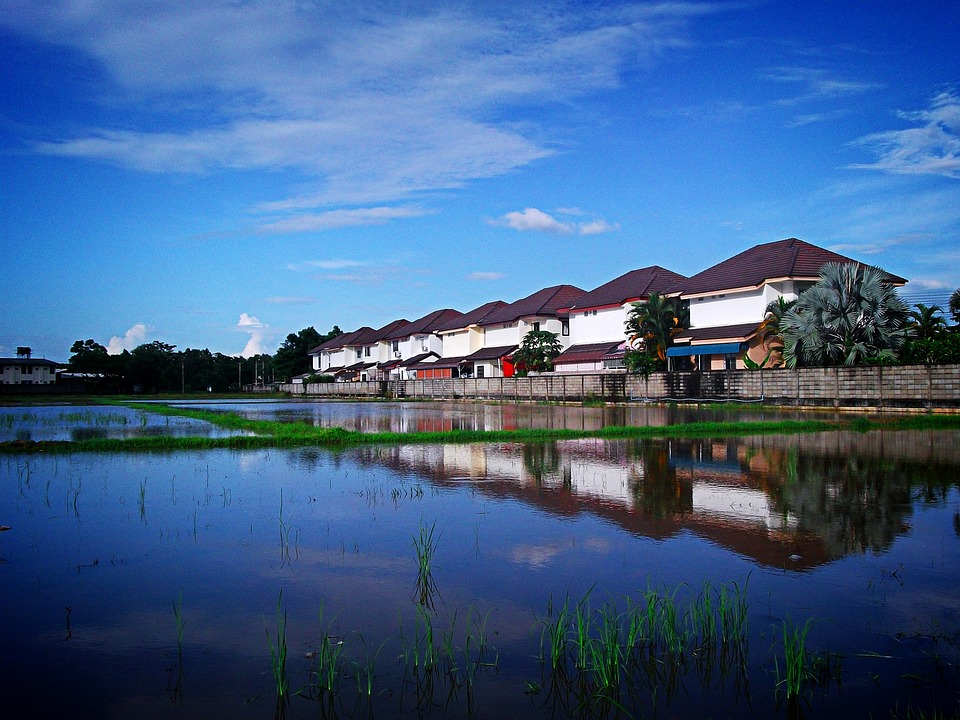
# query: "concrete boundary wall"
914 386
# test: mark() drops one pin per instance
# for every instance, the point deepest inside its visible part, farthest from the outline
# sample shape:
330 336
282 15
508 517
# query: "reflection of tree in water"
855 503
657 492
542 460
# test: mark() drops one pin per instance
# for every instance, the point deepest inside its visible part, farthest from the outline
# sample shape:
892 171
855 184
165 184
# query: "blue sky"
220 174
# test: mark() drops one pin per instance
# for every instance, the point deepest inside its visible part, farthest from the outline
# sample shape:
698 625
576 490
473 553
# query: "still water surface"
857 533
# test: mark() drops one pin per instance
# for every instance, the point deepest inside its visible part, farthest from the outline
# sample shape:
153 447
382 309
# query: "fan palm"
769 332
851 315
955 305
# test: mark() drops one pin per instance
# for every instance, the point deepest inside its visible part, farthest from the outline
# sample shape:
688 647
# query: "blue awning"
717 349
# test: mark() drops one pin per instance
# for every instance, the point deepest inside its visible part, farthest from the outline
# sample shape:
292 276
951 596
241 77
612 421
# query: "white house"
729 300
412 343
598 318
505 327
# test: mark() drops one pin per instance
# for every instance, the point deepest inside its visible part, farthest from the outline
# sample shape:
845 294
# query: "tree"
851 316
927 322
536 352
770 331
88 357
651 327
156 368
955 305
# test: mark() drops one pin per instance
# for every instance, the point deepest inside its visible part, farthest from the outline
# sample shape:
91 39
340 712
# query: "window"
366 351
536 327
27 369
730 362
396 345
565 327
480 370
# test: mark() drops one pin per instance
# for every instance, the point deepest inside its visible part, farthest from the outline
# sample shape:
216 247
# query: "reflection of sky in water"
81 422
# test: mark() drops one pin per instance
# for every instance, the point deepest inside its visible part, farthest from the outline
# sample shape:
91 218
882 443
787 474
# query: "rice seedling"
142 500
425 545
178 617
796 670
278 655
327 669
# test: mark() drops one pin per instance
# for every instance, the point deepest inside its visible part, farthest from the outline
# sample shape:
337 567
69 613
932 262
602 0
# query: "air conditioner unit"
396 354
424 348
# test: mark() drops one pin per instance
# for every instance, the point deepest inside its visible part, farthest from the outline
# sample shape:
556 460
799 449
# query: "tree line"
158 367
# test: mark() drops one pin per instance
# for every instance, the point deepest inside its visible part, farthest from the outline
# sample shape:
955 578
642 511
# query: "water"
857 533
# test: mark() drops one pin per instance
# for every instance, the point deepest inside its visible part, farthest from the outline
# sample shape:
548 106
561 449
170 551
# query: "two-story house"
505 327
460 337
598 318
729 300
413 343
27 370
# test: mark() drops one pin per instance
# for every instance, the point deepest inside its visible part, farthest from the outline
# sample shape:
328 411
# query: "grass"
425 546
278 655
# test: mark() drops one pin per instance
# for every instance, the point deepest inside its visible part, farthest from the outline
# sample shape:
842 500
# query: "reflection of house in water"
783 501
653 489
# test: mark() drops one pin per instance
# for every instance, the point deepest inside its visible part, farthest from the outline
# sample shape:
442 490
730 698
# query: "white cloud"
931 148
368 102
285 300
133 337
818 84
532 219
324 265
259 334
482 276
338 218
536 220
597 227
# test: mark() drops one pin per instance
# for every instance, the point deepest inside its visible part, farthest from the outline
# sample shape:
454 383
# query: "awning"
717 349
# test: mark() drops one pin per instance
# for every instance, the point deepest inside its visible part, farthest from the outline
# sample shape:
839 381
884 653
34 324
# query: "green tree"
536 352
853 315
770 331
955 305
291 358
651 327
88 357
154 367
927 322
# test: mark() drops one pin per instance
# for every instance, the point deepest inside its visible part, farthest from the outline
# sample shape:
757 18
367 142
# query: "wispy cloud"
485 276
285 300
818 84
532 219
335 264
368 103
339 218
133 337
930 148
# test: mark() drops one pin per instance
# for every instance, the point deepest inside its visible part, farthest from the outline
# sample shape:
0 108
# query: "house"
413 343
460 336
27 370
368 351
331 357
598 318
504 327
729 300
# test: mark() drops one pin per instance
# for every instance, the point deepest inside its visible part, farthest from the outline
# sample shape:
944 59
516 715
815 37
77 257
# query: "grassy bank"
265 433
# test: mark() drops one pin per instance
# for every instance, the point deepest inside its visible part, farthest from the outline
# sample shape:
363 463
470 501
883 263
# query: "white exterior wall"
462 342
738 308
38 375
500 336
606 324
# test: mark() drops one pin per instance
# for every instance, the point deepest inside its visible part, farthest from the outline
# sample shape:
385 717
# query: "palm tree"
927 321
655 322
851 315
955 305
769 332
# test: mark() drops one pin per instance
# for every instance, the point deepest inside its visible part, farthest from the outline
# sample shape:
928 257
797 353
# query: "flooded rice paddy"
778 576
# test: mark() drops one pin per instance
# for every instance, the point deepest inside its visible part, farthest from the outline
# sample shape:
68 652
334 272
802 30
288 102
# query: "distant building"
27 370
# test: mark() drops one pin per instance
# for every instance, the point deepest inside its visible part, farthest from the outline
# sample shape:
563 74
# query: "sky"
219 174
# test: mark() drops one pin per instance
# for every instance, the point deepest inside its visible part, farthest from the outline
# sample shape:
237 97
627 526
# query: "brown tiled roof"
418 359
491 353
790 258
451 362
548 301
474 317
341 340
371 336
592 352
711 334
631 286
425 325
